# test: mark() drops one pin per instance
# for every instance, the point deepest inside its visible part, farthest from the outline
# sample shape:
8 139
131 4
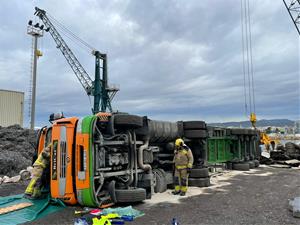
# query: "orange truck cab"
62 177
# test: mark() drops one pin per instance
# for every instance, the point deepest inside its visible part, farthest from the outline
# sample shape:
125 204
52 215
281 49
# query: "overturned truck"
118 157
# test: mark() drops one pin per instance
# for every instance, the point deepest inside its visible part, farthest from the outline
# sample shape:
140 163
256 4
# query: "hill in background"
259 123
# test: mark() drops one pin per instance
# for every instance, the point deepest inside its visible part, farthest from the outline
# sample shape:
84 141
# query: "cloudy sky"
173 59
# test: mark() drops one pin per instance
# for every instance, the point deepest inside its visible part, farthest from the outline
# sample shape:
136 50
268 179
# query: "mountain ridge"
259 123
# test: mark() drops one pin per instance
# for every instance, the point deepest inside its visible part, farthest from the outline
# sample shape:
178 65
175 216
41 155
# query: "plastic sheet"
124 211
39 209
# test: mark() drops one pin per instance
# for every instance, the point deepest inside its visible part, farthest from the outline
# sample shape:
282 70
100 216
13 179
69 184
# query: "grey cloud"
172 59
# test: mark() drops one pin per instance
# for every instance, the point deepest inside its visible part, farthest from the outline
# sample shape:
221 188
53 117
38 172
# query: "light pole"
35 31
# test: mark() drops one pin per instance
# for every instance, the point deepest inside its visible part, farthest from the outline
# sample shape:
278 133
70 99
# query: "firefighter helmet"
179 142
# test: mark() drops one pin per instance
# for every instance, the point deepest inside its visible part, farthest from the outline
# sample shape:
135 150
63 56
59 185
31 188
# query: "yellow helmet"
179 142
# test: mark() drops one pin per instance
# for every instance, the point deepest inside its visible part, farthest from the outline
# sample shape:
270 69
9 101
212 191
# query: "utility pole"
35 31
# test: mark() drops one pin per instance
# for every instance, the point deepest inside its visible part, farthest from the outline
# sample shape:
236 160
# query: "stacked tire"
199 177
292 150
160 180
195 129
127 121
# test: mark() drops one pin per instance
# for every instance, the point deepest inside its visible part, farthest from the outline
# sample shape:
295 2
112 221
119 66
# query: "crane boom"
294 11
103 94
76 66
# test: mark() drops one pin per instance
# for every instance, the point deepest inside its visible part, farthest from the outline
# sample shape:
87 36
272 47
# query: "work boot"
28 196
182 193
176 192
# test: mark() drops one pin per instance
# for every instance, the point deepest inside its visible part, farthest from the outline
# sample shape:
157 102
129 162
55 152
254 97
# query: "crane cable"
74 38
243 51
248 71
251 58
69 34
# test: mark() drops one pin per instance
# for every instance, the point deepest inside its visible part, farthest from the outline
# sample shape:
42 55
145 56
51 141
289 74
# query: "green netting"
39 209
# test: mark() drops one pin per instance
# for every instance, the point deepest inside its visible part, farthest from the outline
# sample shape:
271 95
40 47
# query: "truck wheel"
239 131
290 148
199 182
194 125
199 173
130 195
128 121
256 162
194 134
251 164
161 183
241 166
169 178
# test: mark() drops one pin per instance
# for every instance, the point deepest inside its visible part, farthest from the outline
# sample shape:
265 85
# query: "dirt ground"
258 196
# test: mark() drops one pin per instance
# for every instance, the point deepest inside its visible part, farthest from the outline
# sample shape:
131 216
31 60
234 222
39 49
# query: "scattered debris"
23 175
288 155
292 162
294 206
14 179
280 166
107 216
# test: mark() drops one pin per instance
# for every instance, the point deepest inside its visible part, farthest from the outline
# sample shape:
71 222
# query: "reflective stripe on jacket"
183 158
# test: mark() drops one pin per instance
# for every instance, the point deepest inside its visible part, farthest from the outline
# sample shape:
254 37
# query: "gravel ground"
256 197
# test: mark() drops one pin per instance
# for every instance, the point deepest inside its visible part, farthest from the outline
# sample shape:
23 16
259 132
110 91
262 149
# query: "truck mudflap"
84 162
62 157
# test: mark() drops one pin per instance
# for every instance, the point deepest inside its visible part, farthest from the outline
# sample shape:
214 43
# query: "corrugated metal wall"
11 108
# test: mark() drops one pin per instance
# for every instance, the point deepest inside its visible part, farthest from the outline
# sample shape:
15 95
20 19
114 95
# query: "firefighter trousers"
181 180
34 187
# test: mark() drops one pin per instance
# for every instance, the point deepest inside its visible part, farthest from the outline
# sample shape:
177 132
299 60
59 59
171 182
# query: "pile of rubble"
16 149
283 154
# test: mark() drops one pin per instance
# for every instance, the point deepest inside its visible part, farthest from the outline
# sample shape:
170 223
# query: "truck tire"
199 182
130 195
161 183
290 148
251 164
229 165
241 166
239 131
194 125
199 173
128 121
169 178
195 134
297 146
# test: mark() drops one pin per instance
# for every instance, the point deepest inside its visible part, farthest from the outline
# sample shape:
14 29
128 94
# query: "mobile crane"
99 89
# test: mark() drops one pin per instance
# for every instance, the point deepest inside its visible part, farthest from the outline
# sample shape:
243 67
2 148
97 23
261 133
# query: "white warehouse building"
11 108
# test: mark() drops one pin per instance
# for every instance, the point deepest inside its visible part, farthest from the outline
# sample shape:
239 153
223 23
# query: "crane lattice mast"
293 7
98 88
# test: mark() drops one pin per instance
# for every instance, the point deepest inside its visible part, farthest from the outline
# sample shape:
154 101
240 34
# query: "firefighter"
183 160
33 189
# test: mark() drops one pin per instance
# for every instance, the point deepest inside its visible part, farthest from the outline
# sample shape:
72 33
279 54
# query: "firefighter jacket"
183 158
43 158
